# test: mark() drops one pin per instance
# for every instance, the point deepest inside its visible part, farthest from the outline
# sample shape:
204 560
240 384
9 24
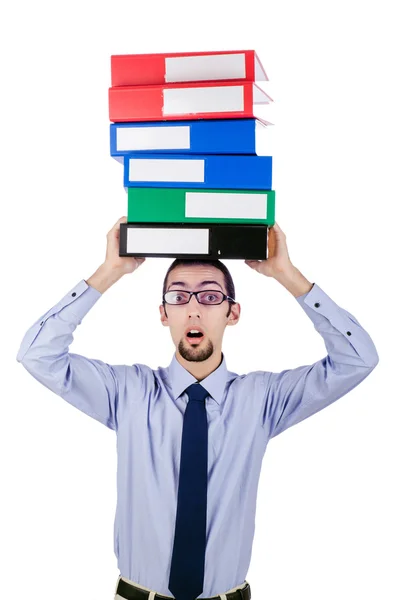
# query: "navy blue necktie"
187 564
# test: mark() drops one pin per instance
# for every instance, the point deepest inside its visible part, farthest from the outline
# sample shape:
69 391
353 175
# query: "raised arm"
90 385
293 395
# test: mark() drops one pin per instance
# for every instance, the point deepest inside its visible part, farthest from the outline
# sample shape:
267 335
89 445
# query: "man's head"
192 275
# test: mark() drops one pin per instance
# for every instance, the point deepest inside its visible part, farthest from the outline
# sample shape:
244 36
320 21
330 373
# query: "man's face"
211 320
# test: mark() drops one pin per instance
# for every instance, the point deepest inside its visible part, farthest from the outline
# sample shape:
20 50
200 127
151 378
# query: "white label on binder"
167 240
163 169
201 68
183 101
152 138
225 206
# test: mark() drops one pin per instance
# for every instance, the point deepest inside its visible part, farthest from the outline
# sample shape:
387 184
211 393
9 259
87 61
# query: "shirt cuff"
323 311
318 305
78 301
74 306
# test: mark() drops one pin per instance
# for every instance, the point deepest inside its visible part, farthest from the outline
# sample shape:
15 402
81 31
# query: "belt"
131 592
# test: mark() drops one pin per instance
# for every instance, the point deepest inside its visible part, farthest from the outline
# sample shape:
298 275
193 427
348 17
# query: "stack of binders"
184 129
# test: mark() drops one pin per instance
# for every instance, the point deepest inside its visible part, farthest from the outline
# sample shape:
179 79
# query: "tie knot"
196 391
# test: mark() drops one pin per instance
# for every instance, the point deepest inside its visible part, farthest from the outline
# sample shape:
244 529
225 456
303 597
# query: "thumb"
254 264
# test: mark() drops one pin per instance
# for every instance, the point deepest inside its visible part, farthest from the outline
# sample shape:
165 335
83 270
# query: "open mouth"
194 336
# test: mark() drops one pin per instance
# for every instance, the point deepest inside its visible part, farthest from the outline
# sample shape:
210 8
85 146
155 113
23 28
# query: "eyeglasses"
208 297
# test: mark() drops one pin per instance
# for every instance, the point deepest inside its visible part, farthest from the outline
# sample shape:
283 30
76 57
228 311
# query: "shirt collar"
214 383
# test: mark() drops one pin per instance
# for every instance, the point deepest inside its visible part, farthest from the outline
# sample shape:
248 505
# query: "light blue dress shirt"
146 407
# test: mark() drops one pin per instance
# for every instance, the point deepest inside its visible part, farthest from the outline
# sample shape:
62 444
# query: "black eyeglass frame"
225 297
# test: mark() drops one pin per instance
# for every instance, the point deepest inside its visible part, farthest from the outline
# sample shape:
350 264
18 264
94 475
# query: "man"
191 437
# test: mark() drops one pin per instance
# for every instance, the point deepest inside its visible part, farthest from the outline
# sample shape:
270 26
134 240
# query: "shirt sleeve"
90 385
293 395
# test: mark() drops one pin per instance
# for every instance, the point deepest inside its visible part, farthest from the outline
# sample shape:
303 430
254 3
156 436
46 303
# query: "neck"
201 369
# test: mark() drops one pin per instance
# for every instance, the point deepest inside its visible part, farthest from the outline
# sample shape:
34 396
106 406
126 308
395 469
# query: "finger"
116 227
121 220
253 264
277 230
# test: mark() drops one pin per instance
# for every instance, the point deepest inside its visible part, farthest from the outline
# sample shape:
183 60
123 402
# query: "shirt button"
317 304
42 323
74 293
348 332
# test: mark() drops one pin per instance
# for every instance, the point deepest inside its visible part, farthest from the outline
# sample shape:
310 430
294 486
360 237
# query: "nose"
194 307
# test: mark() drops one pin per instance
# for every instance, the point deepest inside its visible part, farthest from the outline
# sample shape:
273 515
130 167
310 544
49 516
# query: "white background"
325 523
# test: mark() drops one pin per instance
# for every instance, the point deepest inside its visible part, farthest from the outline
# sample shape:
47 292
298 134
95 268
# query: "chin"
195 353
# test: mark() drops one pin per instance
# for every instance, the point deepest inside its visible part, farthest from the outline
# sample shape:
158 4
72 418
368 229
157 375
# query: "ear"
235 313
163 317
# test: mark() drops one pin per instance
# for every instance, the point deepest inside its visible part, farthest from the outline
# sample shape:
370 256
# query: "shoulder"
139 372
252 379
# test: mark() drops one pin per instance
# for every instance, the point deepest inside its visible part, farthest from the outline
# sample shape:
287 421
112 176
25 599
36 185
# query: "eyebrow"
205 282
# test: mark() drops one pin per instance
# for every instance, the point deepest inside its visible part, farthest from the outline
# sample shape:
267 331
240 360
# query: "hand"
124 264
278 260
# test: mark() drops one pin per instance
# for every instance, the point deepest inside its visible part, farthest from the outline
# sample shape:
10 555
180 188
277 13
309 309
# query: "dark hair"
229 285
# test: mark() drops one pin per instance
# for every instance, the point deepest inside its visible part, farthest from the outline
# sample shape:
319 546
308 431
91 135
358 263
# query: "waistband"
130 590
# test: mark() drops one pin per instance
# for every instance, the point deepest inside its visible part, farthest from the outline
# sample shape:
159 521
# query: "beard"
195 354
